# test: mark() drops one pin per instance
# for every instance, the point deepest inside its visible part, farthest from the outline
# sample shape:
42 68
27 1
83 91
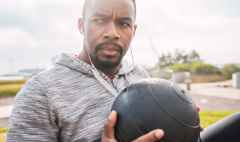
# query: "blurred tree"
229 69
178 57
194 56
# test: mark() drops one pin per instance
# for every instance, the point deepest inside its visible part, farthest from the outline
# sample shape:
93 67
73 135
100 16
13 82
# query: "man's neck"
110 73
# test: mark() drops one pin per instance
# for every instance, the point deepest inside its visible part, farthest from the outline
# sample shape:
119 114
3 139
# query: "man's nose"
111 32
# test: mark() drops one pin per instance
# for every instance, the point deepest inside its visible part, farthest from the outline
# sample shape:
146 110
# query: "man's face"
108 28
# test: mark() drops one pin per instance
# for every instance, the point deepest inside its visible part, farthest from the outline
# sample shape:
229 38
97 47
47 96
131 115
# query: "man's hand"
154 135
108 134
198 108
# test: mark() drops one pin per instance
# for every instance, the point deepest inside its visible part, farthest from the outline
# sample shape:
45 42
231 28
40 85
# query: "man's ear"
134 29
80 25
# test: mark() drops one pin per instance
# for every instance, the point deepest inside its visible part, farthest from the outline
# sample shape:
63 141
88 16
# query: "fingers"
198 108
152 136
109 126
109 136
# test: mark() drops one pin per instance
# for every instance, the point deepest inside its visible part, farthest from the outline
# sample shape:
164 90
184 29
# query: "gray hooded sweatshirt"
67 102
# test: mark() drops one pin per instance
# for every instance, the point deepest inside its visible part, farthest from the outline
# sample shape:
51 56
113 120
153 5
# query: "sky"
32 32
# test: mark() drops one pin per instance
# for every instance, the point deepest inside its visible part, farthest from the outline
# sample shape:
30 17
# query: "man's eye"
99 21
125 24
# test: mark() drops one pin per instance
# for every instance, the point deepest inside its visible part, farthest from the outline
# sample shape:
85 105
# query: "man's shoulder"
56 73
134 70
131 68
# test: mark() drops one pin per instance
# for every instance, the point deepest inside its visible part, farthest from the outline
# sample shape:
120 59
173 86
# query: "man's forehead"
124 7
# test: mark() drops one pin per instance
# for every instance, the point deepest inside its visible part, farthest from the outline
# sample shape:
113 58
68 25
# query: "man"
71 101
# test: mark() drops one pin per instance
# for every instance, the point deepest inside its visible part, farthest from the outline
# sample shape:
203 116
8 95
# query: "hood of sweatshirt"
71 62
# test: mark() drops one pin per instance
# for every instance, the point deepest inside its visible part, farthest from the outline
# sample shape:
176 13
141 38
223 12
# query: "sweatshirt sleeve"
31 119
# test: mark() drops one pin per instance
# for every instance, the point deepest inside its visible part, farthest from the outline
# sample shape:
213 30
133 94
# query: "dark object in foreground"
226 130
154 103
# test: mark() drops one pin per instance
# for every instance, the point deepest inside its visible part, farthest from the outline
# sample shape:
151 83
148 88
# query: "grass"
3 130
12 82
10 88
207 118
3 134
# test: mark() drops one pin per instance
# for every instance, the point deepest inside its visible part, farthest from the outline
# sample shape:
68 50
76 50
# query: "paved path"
221 89
6 101
216 103
215 96
5 112
6 105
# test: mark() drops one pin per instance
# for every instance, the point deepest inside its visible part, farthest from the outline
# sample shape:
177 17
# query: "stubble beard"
105 64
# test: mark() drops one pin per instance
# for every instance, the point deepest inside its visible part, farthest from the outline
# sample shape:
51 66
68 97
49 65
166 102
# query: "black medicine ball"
155 103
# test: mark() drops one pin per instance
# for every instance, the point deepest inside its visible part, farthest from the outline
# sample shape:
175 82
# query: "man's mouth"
110 53
110 49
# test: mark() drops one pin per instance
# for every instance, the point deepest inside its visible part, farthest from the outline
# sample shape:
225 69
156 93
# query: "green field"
3 134
10 88
207 118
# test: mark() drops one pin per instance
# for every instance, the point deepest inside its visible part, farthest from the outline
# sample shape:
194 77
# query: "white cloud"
11 37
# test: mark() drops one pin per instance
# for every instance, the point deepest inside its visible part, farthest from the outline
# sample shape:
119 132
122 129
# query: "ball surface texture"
156 103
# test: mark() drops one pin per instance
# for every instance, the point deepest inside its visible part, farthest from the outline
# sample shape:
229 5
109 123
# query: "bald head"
89 4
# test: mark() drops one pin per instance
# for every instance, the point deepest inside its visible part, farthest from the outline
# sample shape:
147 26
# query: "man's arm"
32 119
108 134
